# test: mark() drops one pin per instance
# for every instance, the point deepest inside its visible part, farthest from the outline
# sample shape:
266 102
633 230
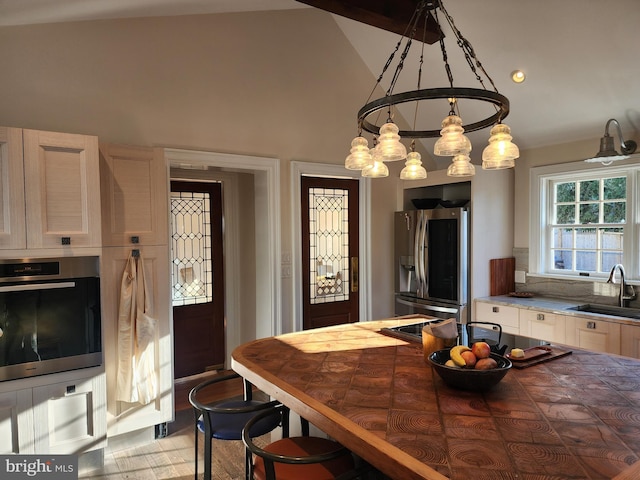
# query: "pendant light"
461 166
360 156
389 143
501 151
377 168
413 169
452 141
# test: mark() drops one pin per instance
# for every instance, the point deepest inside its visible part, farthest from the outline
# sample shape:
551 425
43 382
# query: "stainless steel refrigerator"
432 263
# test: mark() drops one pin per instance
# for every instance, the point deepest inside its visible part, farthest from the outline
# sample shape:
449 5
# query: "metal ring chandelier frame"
495 98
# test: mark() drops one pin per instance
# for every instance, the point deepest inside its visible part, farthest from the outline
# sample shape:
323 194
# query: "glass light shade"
461 166
501 151
452 141
360 156
389 143
377 168
413 169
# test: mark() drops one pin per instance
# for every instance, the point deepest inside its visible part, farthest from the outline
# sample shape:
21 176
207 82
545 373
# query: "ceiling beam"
390 15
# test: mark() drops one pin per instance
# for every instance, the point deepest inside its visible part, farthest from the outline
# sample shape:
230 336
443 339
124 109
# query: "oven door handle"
26 287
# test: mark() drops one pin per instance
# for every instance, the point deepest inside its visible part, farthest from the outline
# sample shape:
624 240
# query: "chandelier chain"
468 50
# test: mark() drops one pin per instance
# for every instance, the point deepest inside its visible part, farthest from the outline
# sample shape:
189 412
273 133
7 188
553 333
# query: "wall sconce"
608 154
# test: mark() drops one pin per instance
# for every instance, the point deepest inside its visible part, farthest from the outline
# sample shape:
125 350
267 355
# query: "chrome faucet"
623 298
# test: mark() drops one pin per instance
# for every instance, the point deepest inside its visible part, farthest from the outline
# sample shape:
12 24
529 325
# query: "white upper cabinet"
12 214
134 195
50 195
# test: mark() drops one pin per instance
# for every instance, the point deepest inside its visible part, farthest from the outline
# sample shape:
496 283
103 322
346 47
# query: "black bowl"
468 378
425 203
454 203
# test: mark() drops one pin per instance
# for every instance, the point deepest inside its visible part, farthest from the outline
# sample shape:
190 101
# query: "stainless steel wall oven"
49 316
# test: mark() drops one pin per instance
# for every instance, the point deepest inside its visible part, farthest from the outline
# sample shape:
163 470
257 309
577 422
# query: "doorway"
330 251
197 277
244 320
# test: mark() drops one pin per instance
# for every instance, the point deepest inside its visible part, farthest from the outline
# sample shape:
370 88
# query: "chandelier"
425 27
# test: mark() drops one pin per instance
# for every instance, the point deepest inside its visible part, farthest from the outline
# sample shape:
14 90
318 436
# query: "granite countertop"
557 306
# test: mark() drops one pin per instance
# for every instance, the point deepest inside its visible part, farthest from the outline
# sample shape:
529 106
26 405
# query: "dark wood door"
329 251
197 277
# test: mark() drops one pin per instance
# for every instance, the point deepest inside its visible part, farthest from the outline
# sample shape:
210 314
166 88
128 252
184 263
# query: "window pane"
565 214
566 192
589 190
615 188
589 213
562 237
586 238
609 259
586 261
611 238
614 212
563 260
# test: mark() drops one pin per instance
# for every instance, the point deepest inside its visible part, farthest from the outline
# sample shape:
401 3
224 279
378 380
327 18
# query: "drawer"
542 325
507 317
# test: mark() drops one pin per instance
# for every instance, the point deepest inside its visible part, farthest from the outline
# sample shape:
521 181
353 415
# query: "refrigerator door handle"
424 281
416 252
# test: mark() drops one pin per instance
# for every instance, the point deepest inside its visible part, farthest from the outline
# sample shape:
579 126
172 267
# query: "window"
585 223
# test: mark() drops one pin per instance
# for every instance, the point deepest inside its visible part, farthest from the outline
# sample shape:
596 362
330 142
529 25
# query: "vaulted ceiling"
580 56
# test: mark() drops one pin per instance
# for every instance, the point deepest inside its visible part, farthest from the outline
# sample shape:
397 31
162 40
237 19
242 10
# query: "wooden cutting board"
553 353
502 276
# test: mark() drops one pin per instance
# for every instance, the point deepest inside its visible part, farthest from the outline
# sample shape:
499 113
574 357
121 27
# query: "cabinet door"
12 225
70 417
16 422
123 416
630 341
542 325
62 189
135 195
506 316
594 335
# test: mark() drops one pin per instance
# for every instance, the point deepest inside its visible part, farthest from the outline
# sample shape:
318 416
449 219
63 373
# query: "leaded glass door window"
197 277
330 251
191 248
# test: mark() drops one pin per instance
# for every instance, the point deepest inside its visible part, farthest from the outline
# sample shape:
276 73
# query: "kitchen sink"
612 310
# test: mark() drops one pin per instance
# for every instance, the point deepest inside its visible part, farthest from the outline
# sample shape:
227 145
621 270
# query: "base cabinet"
505 316
630 341
70 417
67 416
16 422
594 335
542 325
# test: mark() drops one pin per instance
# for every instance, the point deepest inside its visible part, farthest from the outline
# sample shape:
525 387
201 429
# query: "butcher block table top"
574 417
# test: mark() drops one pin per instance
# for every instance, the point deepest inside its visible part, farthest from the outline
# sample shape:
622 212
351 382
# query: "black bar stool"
225 420
296 458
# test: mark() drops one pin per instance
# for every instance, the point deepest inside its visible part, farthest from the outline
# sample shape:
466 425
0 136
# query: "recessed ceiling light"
518 76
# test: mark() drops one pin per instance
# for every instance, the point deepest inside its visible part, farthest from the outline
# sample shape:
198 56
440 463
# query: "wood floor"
172 457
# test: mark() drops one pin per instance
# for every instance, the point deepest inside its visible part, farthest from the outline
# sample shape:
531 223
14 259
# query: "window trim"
540 211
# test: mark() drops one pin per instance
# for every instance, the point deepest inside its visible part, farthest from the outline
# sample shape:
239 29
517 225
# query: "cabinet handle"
495 309
540 316
66 240
591 325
